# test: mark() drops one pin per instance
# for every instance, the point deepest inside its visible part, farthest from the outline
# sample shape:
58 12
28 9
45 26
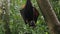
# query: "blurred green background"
16 23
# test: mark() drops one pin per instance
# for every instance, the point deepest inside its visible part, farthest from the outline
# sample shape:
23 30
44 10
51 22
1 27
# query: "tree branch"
49 16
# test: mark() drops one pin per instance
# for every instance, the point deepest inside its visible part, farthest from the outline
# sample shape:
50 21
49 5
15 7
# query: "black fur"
29 14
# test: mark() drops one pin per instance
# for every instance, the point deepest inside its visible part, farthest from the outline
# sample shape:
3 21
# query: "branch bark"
49 16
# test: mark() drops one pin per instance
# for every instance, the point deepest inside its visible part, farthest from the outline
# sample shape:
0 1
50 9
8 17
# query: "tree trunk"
49 16
5 16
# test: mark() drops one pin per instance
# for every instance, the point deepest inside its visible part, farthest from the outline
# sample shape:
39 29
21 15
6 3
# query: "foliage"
17 24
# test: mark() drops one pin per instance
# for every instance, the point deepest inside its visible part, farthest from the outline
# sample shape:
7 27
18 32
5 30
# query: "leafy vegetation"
17 24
